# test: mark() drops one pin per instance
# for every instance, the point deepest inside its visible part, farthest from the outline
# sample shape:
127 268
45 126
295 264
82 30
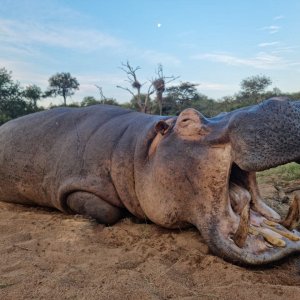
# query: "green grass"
286 172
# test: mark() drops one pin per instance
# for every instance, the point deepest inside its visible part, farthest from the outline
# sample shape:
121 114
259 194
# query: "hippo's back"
42 152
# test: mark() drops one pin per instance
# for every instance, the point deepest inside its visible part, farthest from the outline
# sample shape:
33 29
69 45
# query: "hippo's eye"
185 120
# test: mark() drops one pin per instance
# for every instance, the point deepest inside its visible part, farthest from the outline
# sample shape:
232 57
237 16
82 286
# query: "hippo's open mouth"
257 233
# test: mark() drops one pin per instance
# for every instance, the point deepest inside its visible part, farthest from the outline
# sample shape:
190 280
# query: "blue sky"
213 43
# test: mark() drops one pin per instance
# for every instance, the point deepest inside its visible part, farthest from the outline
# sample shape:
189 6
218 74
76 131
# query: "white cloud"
26 33
271 29
262 60
286 49
262 45
278 17
26 74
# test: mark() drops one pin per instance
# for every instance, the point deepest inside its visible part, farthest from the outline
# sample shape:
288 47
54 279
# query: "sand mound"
48 255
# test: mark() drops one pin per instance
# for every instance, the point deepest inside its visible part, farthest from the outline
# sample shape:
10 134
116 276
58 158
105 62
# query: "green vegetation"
286 172
14 101
160 97
62 84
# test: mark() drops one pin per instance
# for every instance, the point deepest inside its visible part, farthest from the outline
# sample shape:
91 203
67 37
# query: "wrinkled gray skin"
101 161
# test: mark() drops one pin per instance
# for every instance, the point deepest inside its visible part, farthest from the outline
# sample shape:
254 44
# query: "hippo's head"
202 171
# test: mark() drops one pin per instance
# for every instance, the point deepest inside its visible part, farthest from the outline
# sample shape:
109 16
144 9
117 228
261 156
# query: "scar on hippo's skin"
154 144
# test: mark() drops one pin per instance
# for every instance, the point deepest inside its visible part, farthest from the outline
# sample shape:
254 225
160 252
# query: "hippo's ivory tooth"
268 235
253 231
241 233
270 223
287 234
291 220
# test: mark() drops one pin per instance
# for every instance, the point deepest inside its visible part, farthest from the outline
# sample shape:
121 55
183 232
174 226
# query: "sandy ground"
48 255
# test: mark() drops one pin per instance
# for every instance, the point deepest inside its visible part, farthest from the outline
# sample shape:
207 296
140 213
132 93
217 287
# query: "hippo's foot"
88 204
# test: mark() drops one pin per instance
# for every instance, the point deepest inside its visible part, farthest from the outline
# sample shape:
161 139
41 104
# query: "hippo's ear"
191 124
161 127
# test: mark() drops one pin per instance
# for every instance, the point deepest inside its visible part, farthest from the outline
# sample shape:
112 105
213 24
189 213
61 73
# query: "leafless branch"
155 85
126 89
102 97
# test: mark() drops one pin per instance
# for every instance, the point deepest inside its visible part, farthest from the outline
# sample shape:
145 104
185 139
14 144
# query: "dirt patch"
48 255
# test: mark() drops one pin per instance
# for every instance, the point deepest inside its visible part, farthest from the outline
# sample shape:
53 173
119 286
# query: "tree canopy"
12 103
33 93
62 84
254 86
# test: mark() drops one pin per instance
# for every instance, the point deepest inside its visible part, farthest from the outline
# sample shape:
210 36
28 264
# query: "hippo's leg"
88 204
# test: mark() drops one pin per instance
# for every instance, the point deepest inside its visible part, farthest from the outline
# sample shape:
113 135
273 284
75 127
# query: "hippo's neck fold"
129 154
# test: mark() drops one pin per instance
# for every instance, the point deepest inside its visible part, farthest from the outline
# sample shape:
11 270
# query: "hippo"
105 162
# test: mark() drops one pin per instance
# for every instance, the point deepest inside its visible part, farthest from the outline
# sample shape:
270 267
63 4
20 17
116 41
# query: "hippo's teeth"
271 237
291 221
287 234
241 233
270 223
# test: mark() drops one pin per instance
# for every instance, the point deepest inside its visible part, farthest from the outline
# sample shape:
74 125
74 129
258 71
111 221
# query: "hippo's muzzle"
256 234
260 138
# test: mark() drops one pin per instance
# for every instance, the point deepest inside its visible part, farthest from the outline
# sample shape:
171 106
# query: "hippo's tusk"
270 223
271 237
291 220
241 233
287 234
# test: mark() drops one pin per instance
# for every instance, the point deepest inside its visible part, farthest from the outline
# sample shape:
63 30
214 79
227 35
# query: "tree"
62 84
89 100
253 87
155 85
33 93
159 84
179 97
104 99
12 104
136 86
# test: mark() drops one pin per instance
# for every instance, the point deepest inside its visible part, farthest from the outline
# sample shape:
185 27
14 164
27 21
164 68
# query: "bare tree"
102 97
159 84
135 84
155 85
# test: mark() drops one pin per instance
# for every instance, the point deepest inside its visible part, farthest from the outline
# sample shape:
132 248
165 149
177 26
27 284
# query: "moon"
158 25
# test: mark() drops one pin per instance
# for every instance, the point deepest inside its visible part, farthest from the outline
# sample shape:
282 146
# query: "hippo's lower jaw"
255 233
